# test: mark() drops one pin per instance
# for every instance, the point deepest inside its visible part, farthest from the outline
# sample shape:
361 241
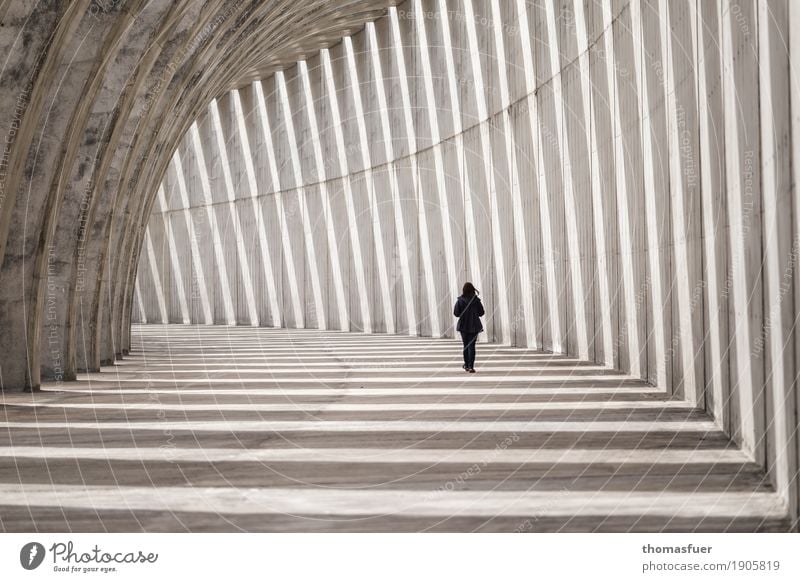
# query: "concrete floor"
242 429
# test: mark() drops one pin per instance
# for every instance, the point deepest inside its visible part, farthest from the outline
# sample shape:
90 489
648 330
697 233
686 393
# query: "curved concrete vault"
619 177
96 94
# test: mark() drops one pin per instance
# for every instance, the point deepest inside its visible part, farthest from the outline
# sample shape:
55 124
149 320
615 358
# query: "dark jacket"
469 311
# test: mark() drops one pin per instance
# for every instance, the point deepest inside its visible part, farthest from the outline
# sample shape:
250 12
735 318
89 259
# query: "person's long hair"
469 290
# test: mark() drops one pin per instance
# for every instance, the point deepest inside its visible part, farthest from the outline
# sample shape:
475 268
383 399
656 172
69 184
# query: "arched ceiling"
95 96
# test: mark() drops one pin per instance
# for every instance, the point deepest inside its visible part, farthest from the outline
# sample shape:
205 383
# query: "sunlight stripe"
651 210
368 455
377 426
197 262
263 241
773 189
520 239
532 104
598 217
570 206
205 187
474 272
286 244
333 246
311 255
709 226
631 326
151 259
139 302
502 291
375 219
680 234
400 502
238 234
433 121
344 169
424 232
740 327
402 244
173 254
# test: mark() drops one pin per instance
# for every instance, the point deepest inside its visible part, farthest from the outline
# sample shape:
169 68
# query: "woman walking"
469 310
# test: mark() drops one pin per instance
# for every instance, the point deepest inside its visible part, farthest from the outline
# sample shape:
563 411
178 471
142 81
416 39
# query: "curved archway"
99 93
617 177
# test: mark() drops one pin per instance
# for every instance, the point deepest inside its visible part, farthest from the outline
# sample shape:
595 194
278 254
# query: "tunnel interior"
617 177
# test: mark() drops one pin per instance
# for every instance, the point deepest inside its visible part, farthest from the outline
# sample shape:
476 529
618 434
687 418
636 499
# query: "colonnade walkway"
253 429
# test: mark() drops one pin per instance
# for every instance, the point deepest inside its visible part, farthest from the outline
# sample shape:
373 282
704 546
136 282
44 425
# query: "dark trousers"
469 339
